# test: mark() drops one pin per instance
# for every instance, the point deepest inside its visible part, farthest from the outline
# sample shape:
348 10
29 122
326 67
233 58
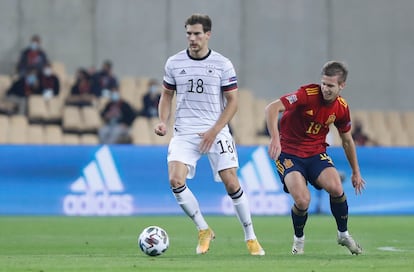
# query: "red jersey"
305 123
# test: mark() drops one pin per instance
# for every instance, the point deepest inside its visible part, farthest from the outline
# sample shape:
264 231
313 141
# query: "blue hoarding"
132 180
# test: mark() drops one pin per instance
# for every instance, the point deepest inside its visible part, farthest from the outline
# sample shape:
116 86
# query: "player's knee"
302 204
336 193
335 190
176 182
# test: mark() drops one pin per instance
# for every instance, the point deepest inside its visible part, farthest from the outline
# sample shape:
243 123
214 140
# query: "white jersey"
199 86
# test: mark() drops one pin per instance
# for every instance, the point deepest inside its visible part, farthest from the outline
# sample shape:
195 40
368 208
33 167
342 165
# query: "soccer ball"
153 241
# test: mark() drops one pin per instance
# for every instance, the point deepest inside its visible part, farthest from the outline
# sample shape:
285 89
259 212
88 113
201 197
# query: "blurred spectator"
118 116
360 138
32 57
151 100
49 83
81 92
263 131
104 80
21 89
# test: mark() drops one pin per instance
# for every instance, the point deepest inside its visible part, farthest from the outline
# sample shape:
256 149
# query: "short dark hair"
107 63
35 38
198 18
335 68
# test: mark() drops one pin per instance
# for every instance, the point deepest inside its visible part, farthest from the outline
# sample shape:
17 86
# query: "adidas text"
99 191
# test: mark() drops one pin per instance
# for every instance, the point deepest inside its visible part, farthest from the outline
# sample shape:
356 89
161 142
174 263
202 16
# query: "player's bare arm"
272 118
229 111
164 111
350 152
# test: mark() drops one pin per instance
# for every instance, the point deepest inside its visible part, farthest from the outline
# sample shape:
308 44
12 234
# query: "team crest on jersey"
210 70
330 120
292 98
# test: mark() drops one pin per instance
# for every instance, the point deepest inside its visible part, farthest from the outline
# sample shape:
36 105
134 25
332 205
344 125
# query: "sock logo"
99 191
259 181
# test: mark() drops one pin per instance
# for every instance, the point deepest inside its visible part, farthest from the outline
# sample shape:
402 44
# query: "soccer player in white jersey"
205 85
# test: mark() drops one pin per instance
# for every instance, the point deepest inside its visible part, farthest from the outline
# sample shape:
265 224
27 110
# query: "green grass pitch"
45 244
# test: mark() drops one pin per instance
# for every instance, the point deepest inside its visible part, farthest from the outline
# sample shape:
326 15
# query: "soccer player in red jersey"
299 149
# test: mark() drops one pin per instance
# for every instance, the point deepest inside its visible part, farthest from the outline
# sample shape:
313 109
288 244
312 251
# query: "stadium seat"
54 114
132 92
70 139
378 124
101 103
6 107
35 134
37 109
140 131
142 85
91 118
72 119
245 122
88 139
59 69
408 123
53 134
128 89
18 125
4 129
401 138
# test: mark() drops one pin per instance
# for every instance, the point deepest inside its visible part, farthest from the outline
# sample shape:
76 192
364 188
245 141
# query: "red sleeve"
344 123
299 97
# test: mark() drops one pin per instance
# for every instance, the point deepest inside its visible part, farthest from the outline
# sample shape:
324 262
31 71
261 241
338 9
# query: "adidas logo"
183 72
264 190
99 191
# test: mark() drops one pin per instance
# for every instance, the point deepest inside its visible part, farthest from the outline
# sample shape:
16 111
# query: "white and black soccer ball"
153 241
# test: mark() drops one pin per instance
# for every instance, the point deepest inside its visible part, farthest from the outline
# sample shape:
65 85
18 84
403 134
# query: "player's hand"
274 148
160 129
358 183
207 140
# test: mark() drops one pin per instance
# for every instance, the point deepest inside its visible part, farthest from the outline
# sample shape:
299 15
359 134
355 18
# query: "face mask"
115 96
31 79
47 71
34 45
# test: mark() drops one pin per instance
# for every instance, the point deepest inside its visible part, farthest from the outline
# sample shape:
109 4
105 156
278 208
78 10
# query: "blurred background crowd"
89 72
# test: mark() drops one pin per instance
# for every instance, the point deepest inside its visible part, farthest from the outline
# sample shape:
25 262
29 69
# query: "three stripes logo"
259 181
99 191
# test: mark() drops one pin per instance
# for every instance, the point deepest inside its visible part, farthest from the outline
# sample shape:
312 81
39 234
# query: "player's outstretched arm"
350 152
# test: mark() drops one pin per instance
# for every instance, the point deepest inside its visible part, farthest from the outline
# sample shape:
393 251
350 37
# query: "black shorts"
310 168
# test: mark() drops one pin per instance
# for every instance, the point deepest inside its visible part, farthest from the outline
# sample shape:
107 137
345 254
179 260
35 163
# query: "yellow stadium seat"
141 132
72 119
70 139
53 134
91 119
88 139
4 129
18 125
35 134
37 109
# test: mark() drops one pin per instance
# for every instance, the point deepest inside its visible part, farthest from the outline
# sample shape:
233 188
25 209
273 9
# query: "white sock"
190 206
343 234
241 205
